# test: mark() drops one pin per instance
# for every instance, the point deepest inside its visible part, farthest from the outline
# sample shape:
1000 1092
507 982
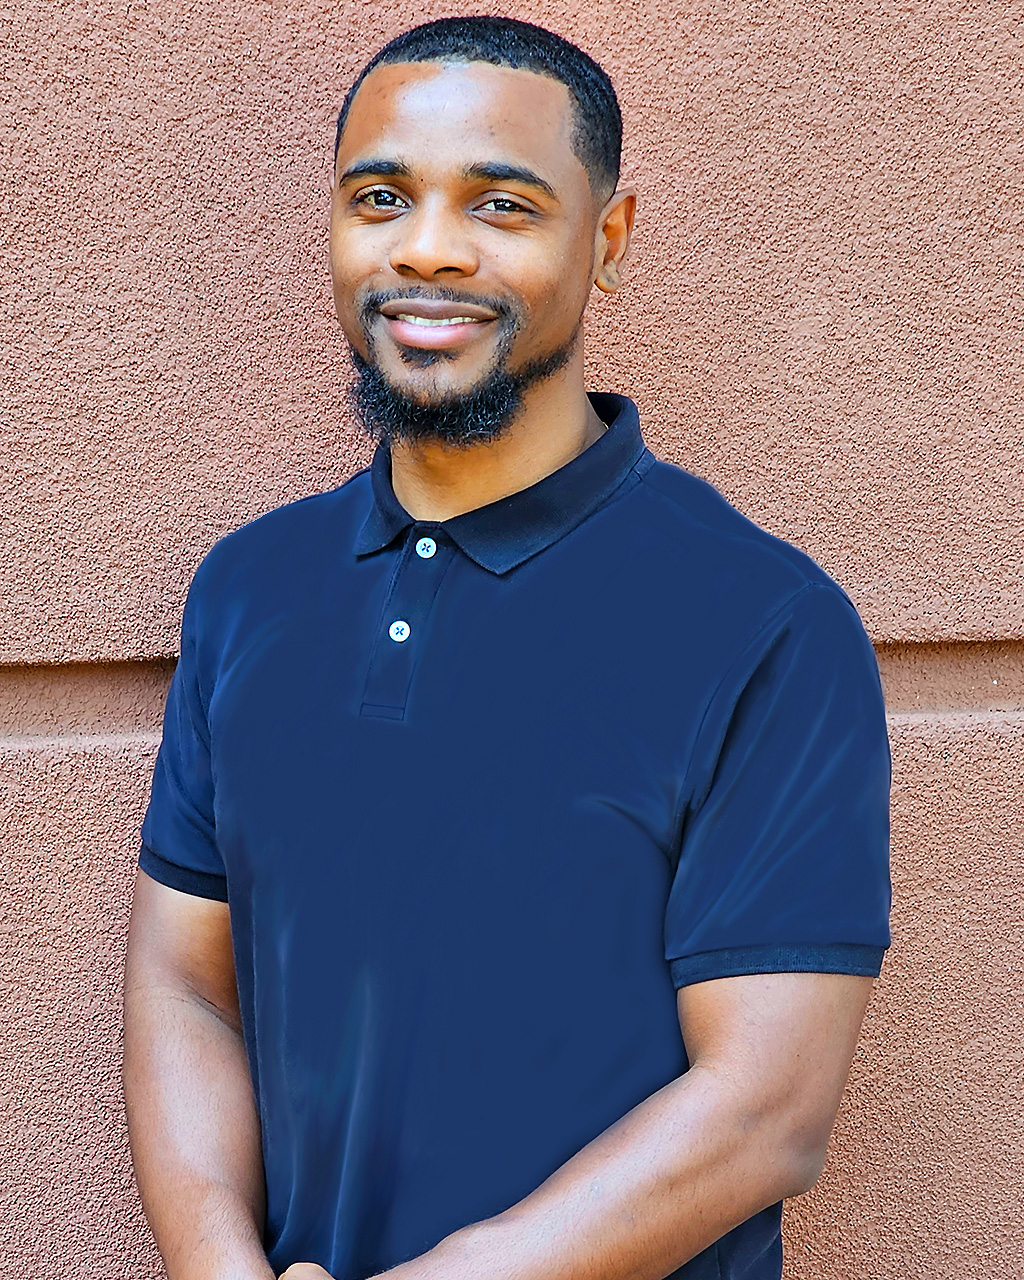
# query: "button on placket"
403 630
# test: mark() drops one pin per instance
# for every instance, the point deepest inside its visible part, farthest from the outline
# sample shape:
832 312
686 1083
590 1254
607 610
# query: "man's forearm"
670 1178
194 1135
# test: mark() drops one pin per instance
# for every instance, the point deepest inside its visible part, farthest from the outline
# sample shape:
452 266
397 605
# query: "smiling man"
515 869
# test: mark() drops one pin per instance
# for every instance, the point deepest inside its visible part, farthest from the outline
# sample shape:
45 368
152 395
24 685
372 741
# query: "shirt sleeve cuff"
201 884
853 958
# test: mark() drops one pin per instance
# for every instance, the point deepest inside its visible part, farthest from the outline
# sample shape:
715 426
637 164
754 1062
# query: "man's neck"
557 422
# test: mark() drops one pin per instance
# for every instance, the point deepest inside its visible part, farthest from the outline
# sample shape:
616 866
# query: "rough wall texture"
927 1166
825 318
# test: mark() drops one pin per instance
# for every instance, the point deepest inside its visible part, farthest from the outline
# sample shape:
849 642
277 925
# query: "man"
515 869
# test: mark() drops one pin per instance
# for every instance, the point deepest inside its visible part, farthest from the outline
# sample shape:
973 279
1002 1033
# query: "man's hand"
306 1271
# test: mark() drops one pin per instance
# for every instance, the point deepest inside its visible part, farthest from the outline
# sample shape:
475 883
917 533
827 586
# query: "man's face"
462 228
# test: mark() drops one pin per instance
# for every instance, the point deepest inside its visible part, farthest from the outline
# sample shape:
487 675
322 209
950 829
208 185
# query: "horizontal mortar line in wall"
86 700
984 676
109 702
10 744
956 719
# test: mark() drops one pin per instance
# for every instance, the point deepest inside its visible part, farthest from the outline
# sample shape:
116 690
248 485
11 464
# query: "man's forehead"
411 105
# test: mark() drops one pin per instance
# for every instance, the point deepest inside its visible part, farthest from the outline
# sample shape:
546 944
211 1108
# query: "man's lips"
435 325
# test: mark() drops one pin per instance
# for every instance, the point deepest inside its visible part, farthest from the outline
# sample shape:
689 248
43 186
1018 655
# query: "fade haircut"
506 42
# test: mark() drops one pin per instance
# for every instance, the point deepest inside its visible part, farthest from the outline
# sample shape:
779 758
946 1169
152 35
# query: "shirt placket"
404 622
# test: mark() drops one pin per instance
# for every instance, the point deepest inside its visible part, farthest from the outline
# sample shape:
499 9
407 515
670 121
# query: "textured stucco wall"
824 317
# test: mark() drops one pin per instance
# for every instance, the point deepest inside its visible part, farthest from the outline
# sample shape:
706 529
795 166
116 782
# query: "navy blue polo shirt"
482 794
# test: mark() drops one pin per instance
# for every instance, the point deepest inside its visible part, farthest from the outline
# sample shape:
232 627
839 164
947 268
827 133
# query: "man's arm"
192 1121
746 1126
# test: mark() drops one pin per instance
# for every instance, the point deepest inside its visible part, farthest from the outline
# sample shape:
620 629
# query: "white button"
399 630
426 547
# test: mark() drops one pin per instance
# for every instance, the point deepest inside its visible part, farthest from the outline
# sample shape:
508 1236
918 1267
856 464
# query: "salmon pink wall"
824 316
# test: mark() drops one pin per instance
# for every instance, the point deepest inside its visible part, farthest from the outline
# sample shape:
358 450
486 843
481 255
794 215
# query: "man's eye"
502 204
378 198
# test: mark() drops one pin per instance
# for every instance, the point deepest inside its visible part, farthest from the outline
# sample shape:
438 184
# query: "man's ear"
614 228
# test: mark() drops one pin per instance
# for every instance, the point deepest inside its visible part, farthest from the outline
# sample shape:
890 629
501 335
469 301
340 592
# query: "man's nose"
433 241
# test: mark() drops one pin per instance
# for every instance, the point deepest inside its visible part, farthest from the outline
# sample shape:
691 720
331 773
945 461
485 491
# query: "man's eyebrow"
495 171
376 168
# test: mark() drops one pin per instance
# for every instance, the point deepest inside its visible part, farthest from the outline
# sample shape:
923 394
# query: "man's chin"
431 377
430 392
433 409
436 408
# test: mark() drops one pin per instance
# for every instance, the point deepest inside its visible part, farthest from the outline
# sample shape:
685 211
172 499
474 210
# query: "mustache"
508 311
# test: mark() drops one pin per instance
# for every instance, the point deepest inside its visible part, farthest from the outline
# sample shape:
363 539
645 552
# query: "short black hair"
507 42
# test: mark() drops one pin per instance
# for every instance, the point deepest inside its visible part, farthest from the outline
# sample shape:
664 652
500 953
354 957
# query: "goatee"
483 413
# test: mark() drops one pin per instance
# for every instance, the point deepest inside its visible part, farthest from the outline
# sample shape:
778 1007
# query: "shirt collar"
504 533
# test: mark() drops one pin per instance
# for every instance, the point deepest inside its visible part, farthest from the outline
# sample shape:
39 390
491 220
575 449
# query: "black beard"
480 414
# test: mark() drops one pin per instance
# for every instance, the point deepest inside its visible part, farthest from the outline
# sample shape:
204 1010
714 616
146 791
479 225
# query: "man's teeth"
402 315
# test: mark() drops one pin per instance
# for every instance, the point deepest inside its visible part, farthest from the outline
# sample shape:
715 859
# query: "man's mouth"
434 324
411 319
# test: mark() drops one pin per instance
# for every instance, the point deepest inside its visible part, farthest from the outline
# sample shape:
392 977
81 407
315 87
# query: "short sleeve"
179 838
784 856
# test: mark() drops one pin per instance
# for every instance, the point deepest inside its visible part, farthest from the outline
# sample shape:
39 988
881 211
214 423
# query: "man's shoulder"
285 539
757 602
702 525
